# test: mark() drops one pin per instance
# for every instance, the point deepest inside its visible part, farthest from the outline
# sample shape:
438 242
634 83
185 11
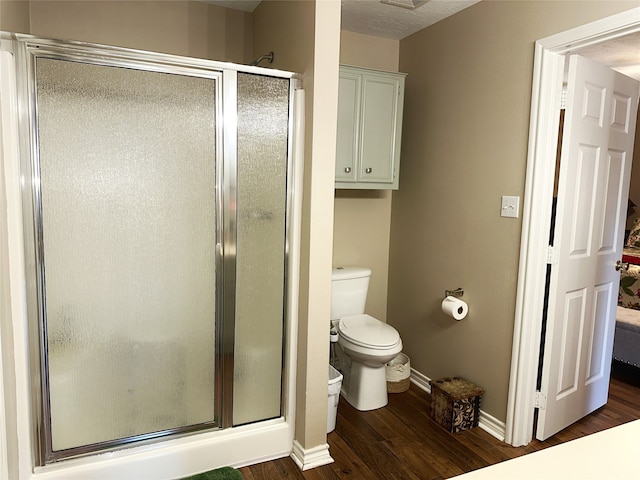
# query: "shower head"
257 61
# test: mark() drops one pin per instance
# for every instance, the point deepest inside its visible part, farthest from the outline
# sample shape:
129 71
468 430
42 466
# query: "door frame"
548 76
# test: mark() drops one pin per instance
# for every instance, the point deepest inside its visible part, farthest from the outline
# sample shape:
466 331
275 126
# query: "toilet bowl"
365 344
368 345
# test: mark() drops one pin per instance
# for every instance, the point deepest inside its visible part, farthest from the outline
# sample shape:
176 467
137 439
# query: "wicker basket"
455 403
398 372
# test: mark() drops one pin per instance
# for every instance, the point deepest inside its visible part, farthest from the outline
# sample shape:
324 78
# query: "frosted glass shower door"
127 250
263 119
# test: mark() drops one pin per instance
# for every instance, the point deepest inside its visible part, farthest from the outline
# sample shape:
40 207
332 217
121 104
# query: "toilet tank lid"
347 273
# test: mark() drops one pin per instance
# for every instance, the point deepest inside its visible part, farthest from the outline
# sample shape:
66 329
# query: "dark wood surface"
401 442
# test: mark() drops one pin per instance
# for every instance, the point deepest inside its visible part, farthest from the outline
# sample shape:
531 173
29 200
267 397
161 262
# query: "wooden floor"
401 441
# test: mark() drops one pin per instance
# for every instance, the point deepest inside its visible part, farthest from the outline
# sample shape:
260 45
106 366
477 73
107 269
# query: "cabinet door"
349 92
380 123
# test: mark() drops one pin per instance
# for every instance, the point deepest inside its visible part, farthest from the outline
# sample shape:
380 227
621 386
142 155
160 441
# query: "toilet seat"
367 331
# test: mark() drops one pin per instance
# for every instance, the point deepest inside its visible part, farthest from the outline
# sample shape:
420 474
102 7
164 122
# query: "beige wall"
362 50
467 104
363 217
304 37
187 28
14 16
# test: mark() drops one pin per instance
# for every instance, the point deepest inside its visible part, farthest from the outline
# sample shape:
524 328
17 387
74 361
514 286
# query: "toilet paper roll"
454 307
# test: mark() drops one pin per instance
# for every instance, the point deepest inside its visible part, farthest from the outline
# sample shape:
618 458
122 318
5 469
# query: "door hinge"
563 98
553 255
540 401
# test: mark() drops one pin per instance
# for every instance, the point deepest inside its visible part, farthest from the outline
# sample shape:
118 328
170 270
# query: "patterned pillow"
634 236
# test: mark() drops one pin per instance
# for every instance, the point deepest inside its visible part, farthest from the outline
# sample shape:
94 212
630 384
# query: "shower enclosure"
157 205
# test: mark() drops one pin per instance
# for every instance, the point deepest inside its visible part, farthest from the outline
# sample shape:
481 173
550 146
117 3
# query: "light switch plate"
510 207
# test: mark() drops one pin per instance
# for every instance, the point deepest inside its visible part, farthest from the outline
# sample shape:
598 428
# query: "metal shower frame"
27 49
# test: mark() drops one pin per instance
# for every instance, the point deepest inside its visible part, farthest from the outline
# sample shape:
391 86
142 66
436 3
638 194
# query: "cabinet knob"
347 169
369 170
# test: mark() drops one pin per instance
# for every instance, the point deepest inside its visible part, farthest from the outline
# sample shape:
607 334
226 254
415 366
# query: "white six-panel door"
593 188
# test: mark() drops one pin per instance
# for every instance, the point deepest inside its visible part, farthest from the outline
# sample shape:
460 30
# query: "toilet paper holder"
458 292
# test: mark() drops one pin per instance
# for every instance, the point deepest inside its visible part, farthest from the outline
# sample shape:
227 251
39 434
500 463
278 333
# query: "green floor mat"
224 473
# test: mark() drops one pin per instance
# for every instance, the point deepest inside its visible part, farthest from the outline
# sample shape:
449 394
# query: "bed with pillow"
626 345
629 293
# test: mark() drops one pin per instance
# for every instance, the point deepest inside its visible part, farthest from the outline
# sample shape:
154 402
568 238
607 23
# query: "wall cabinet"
370 104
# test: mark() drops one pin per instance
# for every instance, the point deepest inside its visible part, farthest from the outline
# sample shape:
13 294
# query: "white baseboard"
492 425
420 380
312 457
488 423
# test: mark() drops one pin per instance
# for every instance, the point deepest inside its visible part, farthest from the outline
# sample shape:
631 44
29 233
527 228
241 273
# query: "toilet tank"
349 287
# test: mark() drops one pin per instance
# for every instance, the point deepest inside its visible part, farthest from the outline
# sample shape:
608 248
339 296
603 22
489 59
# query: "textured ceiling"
621 54
383 20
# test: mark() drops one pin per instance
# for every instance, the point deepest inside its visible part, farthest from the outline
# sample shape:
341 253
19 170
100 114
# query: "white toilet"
366 344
